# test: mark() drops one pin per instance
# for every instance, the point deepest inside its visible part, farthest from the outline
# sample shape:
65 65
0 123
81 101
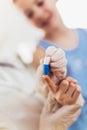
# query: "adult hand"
64 116
58 61
59 120
58 71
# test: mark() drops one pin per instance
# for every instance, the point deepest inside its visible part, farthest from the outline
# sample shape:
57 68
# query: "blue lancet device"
46 66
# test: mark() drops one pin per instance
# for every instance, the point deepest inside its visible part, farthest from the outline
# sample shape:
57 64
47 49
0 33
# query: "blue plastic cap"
46 69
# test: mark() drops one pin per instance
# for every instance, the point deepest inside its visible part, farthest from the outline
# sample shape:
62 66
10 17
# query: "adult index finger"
50 83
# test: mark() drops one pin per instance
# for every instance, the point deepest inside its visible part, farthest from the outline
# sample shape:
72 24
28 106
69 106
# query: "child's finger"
50 83
70 79
71 89
76 94
61 96
63 86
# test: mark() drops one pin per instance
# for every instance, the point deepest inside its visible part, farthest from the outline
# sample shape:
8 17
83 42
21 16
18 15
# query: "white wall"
73 12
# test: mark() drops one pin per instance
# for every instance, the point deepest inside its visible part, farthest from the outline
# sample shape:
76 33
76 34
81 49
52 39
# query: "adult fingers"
51 85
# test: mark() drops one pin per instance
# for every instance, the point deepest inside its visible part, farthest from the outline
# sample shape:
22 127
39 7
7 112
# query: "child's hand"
58 61
66 93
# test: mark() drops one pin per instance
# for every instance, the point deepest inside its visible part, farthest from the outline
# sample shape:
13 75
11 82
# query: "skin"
67 92
40 12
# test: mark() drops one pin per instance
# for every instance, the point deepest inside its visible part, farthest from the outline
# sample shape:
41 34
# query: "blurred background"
15 29
73 12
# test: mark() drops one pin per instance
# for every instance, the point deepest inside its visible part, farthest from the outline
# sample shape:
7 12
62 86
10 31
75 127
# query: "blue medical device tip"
46 66
46 69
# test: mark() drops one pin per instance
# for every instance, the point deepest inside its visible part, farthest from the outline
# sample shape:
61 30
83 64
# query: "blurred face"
42 13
